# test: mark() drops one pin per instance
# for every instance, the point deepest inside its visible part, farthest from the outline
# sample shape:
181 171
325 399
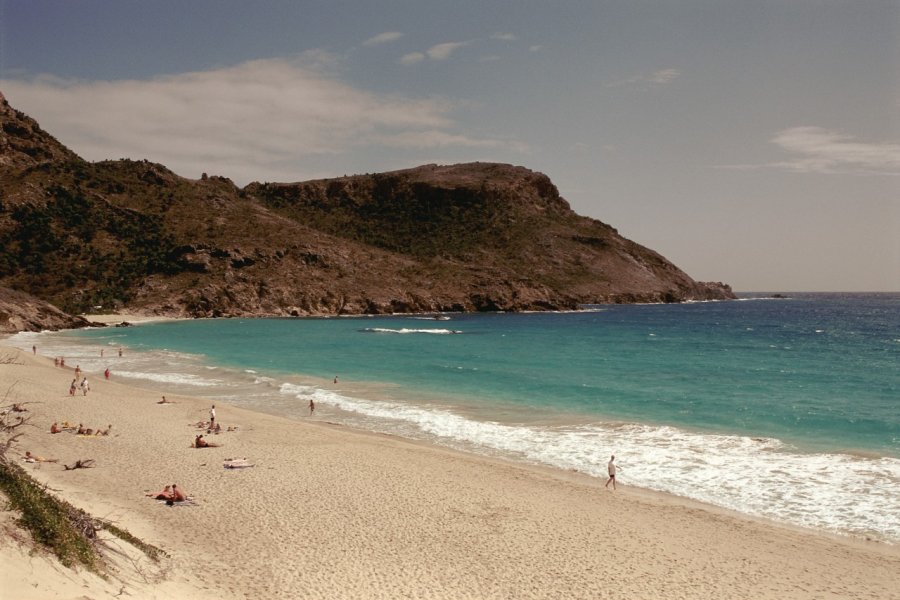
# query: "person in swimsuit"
611 469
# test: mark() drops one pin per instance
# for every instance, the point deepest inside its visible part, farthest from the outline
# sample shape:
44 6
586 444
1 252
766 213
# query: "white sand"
327 512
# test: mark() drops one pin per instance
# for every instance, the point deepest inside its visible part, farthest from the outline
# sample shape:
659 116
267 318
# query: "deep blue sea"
787 409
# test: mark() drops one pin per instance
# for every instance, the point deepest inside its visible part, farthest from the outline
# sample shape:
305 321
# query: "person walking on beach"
611 469
34 350
106 373
85 386
212 417
312 406
73 387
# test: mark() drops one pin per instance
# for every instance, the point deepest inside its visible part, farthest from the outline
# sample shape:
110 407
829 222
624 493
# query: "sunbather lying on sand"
29 457
87 463
177 495
165 494
199 442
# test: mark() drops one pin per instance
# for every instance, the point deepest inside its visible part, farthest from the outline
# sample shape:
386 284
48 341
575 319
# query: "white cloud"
263 119
645 81
535 48
441 139
819 150
382 38
443 51
508 37
412 58
436 52
664 76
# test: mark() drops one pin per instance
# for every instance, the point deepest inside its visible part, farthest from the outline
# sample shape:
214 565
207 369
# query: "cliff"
22 312
470 237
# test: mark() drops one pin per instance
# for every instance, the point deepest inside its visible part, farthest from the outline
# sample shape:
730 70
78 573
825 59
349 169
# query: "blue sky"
753 142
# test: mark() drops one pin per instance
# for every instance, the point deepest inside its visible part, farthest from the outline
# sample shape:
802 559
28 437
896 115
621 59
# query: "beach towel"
237 463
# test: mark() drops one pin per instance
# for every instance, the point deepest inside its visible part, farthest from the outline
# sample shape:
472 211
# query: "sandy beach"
328 512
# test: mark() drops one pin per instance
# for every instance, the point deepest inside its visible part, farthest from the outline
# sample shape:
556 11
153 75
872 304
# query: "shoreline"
131 318
381 408
332 512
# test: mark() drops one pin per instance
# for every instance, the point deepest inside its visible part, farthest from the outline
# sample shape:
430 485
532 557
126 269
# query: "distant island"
133 235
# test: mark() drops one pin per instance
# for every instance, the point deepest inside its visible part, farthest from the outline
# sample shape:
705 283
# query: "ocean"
781 408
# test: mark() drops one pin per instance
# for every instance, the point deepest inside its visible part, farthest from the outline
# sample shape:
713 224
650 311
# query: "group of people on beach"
170 493
84 385
79 430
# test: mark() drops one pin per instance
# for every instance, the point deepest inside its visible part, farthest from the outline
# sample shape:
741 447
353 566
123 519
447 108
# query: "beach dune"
329 512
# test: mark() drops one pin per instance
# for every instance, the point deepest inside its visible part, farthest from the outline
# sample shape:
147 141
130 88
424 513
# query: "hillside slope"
471 237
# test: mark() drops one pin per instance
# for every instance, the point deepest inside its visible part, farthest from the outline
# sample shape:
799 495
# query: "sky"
754 142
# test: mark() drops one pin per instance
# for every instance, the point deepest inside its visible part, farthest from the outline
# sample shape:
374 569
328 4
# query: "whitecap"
409 331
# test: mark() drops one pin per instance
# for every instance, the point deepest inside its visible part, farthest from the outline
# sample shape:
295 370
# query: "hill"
470 237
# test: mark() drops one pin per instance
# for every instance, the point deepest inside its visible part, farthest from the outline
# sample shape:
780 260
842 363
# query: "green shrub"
66 531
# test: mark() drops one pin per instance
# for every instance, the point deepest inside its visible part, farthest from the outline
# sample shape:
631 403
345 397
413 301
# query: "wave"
407 331
171 378
839 491
842 493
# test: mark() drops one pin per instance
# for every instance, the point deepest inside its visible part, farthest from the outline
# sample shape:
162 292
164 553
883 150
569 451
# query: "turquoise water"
698 399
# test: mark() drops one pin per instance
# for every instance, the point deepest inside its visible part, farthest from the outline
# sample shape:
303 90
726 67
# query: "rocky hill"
471 237
22 312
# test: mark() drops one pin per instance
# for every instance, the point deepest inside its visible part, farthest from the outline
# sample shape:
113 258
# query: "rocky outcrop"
21 312
469 237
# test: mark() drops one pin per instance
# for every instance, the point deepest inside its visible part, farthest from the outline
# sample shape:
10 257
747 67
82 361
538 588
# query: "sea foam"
763 477
405 330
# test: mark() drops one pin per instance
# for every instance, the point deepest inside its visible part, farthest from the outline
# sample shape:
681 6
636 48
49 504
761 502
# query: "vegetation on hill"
476 236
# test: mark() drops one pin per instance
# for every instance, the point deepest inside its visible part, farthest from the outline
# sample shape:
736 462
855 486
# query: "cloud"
436 52
663 76
382 38
645 81
443 139
508 37
443 51
264 119
820 150
412 58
